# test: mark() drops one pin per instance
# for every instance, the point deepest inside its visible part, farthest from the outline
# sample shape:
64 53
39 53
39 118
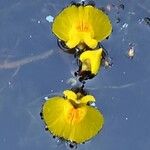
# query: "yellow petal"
87 98
74 124
70 95
90 42
99 21
63 22
91 60
73 42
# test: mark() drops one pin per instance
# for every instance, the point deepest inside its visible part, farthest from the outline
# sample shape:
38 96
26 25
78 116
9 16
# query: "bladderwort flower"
80 26
71 117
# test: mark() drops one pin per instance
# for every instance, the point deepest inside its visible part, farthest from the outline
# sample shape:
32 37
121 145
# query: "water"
32 67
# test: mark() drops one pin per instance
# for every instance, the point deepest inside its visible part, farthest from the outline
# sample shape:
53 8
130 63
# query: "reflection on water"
24 61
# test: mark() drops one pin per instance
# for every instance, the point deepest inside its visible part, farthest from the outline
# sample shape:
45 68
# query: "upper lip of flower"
77 99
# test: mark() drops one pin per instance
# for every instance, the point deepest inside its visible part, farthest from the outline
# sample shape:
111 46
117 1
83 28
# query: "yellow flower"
71 118
90 62
79 25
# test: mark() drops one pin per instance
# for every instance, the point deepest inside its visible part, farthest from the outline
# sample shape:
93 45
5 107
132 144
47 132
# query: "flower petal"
83 24
99 21
87 98
91 60
74 124
73 42
69 94
92 43
63 22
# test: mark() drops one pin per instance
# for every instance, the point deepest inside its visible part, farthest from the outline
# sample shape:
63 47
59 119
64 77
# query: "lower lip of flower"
75 115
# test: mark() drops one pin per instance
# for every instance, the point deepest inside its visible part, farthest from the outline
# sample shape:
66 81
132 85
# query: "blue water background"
27 76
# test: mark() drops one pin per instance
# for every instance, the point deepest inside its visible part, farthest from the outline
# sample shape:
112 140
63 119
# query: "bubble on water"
147 21
107 62
131 52
82 1
50 18
71 145
72 81
121 6
46 128
91 2
109 7
118 20
30 36
124 26
52 91
92 104
131 13
41 115
46 98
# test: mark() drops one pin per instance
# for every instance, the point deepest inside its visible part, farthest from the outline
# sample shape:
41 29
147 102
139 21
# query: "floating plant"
73 116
